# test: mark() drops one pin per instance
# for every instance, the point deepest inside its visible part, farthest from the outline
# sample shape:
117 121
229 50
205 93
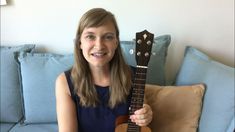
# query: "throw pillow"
175 108
39 72
10 104
231 127
156 66
218 105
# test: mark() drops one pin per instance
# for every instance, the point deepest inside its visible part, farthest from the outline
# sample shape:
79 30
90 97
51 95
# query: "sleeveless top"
100 118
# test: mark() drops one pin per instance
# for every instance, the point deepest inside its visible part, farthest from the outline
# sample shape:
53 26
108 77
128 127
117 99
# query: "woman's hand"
143 116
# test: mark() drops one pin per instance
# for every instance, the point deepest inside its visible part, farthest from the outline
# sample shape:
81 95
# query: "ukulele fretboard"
137 99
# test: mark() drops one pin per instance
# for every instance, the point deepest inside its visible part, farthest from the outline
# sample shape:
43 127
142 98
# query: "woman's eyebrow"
88 32
107 33
110 33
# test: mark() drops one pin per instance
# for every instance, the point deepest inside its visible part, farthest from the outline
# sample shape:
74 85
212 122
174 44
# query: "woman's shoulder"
68 72
61 78
61 82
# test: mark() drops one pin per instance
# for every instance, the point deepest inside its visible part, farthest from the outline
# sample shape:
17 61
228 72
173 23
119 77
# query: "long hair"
120 73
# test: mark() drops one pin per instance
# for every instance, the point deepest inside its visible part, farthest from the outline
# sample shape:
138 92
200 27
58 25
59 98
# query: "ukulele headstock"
144 42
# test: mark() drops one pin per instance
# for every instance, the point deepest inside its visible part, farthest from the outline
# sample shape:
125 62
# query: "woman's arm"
65 106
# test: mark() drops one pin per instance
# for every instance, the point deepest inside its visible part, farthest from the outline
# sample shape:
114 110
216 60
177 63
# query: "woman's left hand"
143 116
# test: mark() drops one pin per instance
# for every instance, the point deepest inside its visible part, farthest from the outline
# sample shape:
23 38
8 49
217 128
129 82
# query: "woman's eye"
109 37
90 37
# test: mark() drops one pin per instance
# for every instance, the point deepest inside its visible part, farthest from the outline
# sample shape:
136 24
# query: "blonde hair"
120 80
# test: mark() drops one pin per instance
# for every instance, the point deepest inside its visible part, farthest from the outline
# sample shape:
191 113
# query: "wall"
51 24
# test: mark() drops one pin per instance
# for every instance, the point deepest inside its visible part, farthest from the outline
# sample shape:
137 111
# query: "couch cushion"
38 73
218 105
175 108
156 70
5 127
10 103
50 127
231 127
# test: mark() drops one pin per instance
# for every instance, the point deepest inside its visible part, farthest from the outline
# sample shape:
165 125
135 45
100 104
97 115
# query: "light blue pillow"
231 127
156 66
39 72
10 103
6 127
218 105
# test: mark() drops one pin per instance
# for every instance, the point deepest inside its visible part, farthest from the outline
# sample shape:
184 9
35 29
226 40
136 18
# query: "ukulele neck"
137 99
144 41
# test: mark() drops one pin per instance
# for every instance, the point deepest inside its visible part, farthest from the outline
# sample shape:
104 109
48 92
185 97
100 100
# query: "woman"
96 90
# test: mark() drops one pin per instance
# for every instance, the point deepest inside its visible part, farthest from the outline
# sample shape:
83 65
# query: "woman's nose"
98 44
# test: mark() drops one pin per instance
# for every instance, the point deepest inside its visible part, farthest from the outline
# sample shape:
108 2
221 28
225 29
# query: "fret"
134 107
138 90
137 84
140 73
140 79
136 102
137 94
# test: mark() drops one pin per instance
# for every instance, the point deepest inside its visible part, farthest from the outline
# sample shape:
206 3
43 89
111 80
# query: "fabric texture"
38 74
5 127
175 108
156 65
218 105
10 103
49 127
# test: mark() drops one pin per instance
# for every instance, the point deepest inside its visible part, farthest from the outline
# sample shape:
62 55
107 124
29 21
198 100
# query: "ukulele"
144 41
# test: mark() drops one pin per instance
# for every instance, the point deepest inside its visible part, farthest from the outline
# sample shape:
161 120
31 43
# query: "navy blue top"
100 118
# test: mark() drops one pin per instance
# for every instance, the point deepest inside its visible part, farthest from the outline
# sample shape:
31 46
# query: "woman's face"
98 44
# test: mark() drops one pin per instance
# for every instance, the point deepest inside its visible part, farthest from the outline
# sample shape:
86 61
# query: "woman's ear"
79 45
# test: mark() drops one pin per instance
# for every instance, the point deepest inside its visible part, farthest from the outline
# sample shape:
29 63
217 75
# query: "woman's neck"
101 76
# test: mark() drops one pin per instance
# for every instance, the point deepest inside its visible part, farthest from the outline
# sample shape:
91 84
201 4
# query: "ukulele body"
123 128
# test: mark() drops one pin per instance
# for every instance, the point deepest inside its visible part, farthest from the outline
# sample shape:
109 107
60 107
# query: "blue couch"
28 78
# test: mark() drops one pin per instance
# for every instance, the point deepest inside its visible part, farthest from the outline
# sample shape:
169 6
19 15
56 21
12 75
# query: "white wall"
51 24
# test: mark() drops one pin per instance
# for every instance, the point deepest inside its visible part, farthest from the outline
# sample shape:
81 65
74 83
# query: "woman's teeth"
98 54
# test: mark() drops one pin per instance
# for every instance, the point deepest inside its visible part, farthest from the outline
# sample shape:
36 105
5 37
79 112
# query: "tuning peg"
139 41
132 51
146 54
149 42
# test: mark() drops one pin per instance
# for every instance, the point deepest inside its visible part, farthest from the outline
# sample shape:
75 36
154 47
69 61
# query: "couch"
200 99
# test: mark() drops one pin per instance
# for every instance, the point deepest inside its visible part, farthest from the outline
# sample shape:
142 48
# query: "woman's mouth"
98 54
